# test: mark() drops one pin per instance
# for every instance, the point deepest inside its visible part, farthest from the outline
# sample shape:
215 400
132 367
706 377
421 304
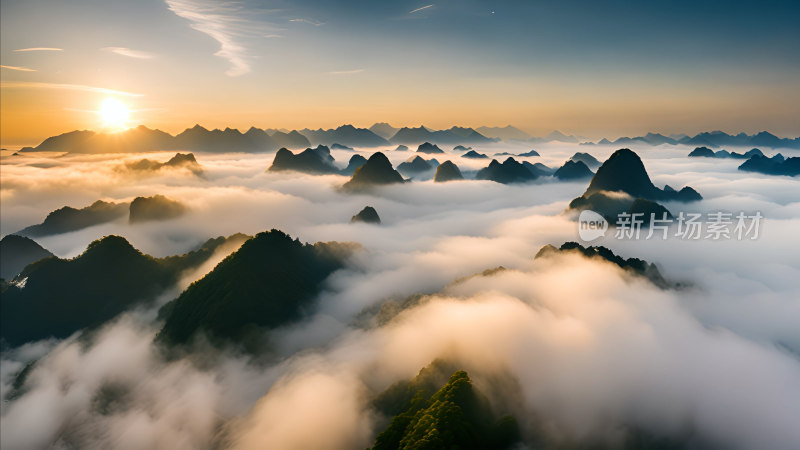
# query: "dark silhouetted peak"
336 146
447 171
510 171
66 219
377 170
355 162
748 154
415 165
624 172
529 153
179 161
777 165
686 194
427 147
590 161
704 152
367 215
111 247
539 169
474 155
573 170
16 252
311 160
461 148
182 158
157 207
401 148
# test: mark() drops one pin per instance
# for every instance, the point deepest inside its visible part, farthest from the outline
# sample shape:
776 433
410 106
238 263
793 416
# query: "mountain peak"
377 170
623 171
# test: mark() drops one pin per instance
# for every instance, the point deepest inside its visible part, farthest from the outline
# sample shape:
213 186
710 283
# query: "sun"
114 114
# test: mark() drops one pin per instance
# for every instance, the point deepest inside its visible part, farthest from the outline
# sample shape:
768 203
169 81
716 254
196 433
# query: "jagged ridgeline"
428 415
635 266
272 280
56 297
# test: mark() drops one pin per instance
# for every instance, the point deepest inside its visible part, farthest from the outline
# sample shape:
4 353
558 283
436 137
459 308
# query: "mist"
593 352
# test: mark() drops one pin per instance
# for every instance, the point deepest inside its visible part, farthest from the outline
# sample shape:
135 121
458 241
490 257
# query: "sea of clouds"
588 352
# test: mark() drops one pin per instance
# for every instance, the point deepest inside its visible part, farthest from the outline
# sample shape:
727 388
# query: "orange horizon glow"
30 115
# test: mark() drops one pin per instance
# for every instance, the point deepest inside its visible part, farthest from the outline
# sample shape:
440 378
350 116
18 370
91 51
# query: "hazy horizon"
587 138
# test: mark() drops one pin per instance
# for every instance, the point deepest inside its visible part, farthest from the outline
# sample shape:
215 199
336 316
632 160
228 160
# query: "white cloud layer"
591 350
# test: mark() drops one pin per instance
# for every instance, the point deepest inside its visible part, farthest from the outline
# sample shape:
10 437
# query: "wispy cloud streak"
61 86
21 69
420 9
39 49
130 53
224 22
316 23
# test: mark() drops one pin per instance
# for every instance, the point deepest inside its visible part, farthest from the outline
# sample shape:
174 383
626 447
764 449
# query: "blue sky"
591 67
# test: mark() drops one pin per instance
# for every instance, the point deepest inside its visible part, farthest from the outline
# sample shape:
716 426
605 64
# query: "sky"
596 69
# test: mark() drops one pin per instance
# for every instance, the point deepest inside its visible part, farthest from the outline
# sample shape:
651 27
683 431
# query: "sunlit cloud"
272 36
21 69
39 49
420 9
63 86
316 23
346 72
124 51
224 22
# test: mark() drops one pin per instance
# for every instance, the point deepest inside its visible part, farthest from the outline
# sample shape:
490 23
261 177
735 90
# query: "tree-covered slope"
270 281
456 416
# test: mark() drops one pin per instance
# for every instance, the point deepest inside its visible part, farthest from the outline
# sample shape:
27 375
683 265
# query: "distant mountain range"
347 135
454 135
383 130
713 139
197 138
507 133
200 139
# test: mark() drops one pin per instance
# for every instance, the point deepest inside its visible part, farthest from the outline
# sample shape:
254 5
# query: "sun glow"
114 114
